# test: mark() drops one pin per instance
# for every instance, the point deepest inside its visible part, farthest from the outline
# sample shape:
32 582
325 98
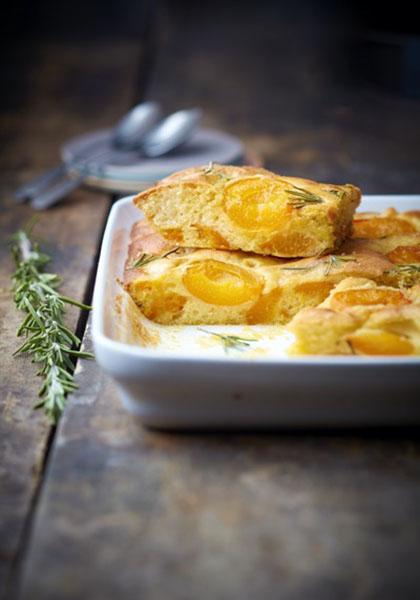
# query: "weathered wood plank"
71 89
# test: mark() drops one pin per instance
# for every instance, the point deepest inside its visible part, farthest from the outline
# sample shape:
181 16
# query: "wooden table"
100 508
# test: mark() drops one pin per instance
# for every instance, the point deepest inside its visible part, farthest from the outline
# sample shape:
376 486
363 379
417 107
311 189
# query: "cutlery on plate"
167 135
135 124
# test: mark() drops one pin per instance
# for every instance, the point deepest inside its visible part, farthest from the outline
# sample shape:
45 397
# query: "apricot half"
405 255
220 283
379 227
256 203
264 309
373 342
367 297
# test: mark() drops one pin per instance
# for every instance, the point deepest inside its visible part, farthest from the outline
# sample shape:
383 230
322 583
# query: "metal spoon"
170 133
134 125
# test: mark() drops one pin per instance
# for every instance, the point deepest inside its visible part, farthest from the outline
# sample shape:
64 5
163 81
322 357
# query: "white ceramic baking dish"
184 379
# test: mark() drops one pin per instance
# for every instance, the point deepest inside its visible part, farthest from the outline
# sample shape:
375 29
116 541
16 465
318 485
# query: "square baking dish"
181 382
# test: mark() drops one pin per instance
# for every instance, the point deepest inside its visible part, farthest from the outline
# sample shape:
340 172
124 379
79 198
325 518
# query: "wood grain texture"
71 88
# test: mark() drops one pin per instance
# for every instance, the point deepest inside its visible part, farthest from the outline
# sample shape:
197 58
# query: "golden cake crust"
250 209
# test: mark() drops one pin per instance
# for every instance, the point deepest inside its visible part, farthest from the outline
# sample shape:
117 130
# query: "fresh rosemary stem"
299 197
230 342
50 343
144 259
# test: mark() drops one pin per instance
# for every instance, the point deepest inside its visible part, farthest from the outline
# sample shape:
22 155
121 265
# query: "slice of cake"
250 209
191 287
360 317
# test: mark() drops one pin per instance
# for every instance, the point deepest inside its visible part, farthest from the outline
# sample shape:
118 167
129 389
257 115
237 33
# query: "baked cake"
360 317
250 209
190 286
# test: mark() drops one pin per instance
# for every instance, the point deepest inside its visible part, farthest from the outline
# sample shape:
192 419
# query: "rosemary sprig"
209 168
144 259
301 197
409 273
230 342
332 262
338 193
336 261
307 268
48 340
410 268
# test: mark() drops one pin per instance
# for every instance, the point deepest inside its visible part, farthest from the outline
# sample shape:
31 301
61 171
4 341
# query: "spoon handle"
32 188
52 195
27 190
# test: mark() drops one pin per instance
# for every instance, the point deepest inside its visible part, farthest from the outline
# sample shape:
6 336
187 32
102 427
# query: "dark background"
337 83
380 39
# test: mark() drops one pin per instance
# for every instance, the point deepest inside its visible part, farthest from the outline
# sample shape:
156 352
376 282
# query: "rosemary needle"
408 273
337 261
301 197
50 343
230 342
144 259
209 168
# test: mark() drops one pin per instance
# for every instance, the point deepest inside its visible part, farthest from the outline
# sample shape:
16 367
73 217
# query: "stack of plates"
129 172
